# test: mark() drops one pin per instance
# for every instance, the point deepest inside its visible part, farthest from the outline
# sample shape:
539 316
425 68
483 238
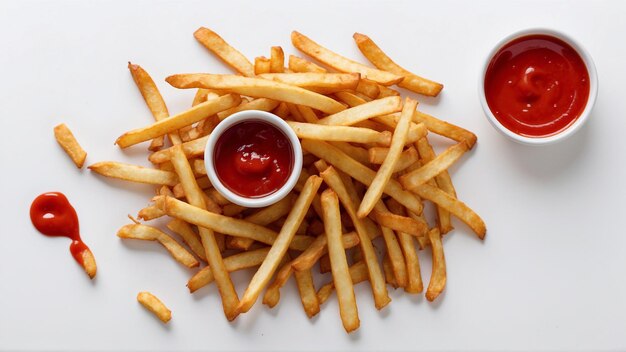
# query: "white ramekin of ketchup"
538 86
253 158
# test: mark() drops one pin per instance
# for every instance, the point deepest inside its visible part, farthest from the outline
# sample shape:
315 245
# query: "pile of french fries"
368 170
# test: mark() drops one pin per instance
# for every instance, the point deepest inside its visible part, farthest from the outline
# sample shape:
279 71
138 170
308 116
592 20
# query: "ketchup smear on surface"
253 159
53 215
537 85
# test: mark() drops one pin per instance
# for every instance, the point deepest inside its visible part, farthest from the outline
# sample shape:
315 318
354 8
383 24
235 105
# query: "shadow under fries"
550 161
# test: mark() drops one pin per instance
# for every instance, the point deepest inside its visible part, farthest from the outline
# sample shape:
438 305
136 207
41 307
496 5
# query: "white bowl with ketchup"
253 158
538 86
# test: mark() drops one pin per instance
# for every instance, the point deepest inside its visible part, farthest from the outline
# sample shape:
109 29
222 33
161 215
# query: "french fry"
134 173
407 243
358 273
282 111
298 64
363 112
438 277
191 149
233 210
394 252
401 223
177 121
350 99
277 59
264 217
149 233
281 244
154 100
334 81
445 129
434 167
340 133
191 238
218 46
232 263
340 63
379 290
416 131
262 104
318 248
150 213
261 65
387 92
454 206
194 195
357 153
369 88
70 145
443 180
338 262
272 294
153 304
360 172
308 296
390 277
379 59
258 88
408 157
308 115
378 184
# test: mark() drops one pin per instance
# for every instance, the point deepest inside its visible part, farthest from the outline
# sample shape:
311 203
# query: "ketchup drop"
53 215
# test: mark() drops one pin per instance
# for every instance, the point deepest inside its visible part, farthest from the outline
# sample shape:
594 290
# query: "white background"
550 274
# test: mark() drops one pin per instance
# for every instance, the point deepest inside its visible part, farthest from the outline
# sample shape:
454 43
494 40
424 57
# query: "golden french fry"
363 112
445 129
262 104
358 273
350 98
277 59
390 277
134 173
298 64
357 153
369 88
88 262
434 167
438 277
149 233
261 65
272 294
401 223
194 195
416 131
264 217
408 157
70 145
258 88
177 121
153 304
191 149
334 81
310 303
360 172
318 248
282 111
333 180
280 246
378 184
454 206
407 243
387 92
394 252
340 63
379 59
338 262
443 180
191 238
150 213
154 100
308 115
231 56
232 263
340 133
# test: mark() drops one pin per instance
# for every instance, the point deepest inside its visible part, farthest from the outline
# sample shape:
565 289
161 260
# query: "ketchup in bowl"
537 86
253 159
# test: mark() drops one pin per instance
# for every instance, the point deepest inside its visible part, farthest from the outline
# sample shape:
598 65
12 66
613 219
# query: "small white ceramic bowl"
584 116
253 115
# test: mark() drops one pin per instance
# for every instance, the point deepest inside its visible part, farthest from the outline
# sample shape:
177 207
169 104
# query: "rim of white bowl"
253 115
580 121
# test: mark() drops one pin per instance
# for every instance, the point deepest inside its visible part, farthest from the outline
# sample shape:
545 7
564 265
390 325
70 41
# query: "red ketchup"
537 86
253 159
53 215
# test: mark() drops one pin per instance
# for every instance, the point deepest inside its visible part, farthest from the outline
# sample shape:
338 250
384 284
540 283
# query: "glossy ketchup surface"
537 86
53 215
